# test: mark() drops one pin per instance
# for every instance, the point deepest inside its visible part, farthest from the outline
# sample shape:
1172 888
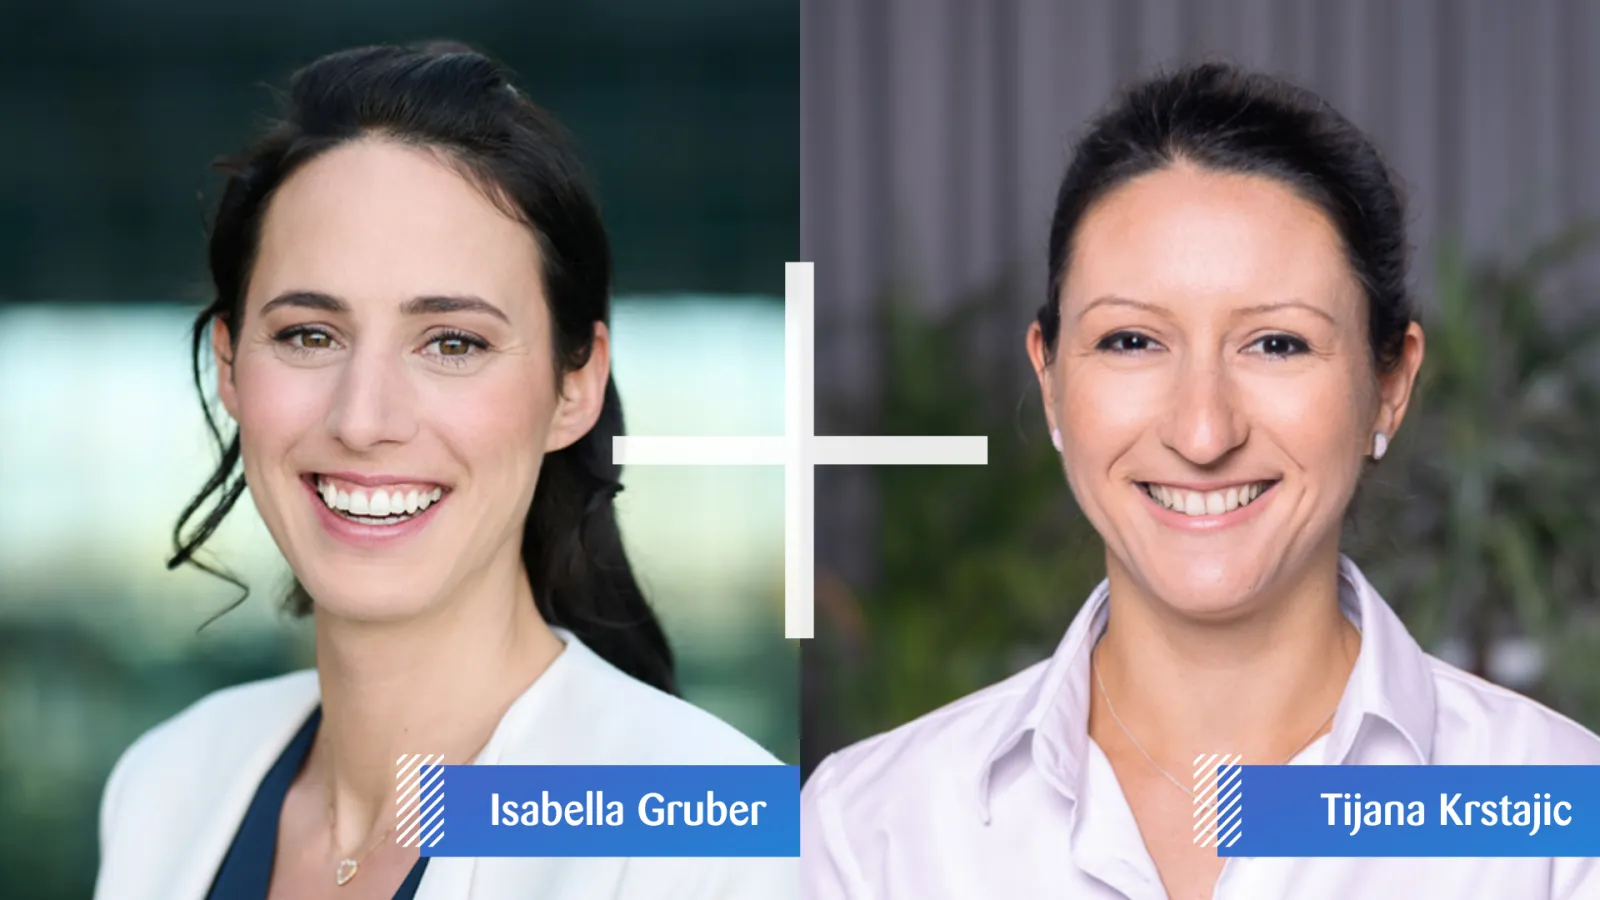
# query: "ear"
1037 355
583 393
1395 387
222 353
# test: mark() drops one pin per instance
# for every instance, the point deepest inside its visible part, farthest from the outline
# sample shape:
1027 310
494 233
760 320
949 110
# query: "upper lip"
380 480
1208 486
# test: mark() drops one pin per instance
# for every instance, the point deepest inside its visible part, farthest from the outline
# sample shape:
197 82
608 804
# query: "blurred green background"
686 114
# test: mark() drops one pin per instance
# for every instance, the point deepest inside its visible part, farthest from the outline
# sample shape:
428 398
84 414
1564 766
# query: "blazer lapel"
219 805
541 727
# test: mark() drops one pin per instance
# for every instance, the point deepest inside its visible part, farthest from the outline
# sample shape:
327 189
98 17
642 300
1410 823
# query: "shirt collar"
1051 720
1391 683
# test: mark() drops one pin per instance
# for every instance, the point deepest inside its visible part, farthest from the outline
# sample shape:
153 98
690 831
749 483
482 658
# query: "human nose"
374 402
1205 421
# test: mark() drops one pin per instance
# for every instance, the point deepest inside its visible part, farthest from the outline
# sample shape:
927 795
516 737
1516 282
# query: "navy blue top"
247 869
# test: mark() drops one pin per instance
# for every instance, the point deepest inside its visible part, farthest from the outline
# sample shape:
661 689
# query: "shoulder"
1480 723
926 771
611 718
926 760
164 788
219 729
663 729
233 714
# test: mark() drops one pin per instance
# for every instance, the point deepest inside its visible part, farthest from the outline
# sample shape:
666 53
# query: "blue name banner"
704 811
1416 811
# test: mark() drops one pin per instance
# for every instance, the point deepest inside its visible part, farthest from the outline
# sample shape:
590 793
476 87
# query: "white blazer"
176 797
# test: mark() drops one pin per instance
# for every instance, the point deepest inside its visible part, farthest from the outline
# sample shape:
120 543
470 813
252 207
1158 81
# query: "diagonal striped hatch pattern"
419 788
1218 799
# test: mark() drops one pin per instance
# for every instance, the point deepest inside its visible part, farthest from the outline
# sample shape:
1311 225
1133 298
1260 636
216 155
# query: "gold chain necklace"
1094 667
349 865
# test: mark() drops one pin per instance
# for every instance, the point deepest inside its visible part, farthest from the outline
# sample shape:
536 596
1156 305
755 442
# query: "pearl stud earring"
1380 445
1055 438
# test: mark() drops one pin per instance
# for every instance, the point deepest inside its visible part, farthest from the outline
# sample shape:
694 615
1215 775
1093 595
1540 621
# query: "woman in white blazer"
412 287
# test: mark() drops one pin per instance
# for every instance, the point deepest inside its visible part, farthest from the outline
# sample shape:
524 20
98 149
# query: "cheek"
1319 419
1102 412
276 406
497 421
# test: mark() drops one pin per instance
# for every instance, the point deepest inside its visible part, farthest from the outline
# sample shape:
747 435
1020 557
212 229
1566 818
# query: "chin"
368 596
1216 588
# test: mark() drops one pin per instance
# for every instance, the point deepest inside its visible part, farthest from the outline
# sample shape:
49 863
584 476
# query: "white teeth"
380 507
1209 503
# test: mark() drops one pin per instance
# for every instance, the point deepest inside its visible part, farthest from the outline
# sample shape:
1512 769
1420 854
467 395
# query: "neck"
434 684
1262 685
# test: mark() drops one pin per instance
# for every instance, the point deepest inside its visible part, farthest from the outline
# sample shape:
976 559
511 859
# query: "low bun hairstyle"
461 104
1225 119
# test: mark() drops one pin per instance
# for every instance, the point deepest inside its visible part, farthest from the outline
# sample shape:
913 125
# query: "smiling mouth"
1206 503
387 505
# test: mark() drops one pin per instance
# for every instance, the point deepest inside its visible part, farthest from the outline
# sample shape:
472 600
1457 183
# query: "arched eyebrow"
1284 304
432 304
306 300
1255 310
1114 300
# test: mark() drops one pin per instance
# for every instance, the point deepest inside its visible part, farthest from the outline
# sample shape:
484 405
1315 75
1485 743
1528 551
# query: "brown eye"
456 346
300 338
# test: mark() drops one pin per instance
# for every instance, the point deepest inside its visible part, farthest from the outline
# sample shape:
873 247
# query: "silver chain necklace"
1099 682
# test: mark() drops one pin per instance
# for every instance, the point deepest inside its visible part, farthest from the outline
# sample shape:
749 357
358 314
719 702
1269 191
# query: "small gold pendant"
346 871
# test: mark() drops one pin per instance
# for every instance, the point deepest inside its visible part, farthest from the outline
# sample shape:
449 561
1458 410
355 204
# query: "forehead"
375 219
1187 231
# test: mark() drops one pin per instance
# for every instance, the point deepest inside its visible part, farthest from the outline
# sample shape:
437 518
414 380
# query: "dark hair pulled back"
449 99
1219 117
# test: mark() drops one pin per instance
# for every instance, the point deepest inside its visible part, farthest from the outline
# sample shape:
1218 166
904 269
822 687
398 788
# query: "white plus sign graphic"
800 450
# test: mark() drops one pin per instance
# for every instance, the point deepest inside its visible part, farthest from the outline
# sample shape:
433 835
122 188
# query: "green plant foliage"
1483 523
981 568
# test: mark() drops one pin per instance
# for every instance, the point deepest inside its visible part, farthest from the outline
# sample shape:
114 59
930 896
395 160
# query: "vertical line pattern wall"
934 131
